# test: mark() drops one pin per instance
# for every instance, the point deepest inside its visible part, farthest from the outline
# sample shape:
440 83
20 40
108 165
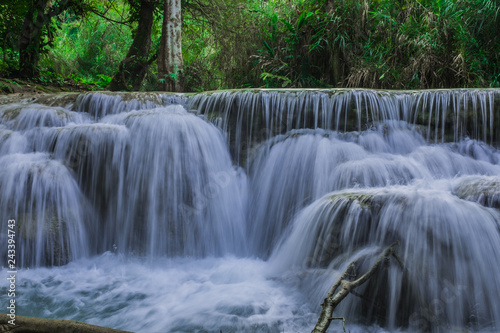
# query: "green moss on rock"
365 200
10 113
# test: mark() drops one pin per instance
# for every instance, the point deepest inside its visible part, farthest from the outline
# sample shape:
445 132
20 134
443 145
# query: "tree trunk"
336 66
132 69
31 38
170 63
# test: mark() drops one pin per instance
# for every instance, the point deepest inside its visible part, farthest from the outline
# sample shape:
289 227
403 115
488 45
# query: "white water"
162 233
167 295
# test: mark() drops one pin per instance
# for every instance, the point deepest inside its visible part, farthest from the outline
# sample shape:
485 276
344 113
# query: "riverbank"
41 325
18 86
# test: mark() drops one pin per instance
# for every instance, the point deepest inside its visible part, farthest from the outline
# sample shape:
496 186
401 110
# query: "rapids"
236 211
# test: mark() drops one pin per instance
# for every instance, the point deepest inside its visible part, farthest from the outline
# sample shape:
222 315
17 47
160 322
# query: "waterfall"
43 196
184 196
254 116
243 207
157 181
449 247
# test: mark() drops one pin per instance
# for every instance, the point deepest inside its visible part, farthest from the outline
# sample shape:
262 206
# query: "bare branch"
334 298
96 12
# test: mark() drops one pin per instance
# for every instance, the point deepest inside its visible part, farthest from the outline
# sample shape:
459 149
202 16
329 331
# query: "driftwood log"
39 325
334 297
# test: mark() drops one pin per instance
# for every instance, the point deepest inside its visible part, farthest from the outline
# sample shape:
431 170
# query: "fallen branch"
343 321
41 325
333 299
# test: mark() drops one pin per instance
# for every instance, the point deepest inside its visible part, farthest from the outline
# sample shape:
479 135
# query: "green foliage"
274 43
428 44
5 88
199 54
380 44
50 78
104 80
101 82
270 79
219 38
12 14
292 40
88 50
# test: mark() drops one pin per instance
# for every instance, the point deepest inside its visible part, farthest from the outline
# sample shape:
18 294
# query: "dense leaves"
12 14
274 43
382 44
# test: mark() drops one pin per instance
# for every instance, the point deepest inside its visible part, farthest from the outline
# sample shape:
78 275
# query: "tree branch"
96 12
60 7
334 298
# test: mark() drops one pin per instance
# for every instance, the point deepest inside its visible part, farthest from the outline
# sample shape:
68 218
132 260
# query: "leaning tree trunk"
132 69
170 64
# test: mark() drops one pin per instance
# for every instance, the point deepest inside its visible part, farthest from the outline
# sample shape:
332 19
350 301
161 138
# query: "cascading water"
136 214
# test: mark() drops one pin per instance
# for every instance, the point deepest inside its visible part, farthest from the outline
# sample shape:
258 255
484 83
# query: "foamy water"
142 216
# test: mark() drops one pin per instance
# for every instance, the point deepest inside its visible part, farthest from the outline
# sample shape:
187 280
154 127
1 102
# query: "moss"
13 112
484 191
42 88
10 114
141 97
212 116
5 135
59 99
480 187
28 224
63 114
56 250
365 200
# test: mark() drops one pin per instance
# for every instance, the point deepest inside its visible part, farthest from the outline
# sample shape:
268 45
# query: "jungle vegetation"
128 44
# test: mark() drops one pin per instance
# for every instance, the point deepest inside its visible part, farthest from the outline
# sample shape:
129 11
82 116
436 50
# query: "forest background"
226 44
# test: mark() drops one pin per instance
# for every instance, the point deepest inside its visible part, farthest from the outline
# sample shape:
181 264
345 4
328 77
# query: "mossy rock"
12 113
57 99
483 190
365 200
53 226
5 135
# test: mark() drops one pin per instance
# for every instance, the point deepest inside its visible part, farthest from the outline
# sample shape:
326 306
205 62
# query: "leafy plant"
289 47
89 51
50 78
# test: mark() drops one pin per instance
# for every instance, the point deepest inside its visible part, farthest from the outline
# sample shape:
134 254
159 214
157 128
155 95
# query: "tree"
36 21
12 13
170 62
132 69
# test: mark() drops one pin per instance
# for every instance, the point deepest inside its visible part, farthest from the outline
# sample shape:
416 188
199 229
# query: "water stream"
236 211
